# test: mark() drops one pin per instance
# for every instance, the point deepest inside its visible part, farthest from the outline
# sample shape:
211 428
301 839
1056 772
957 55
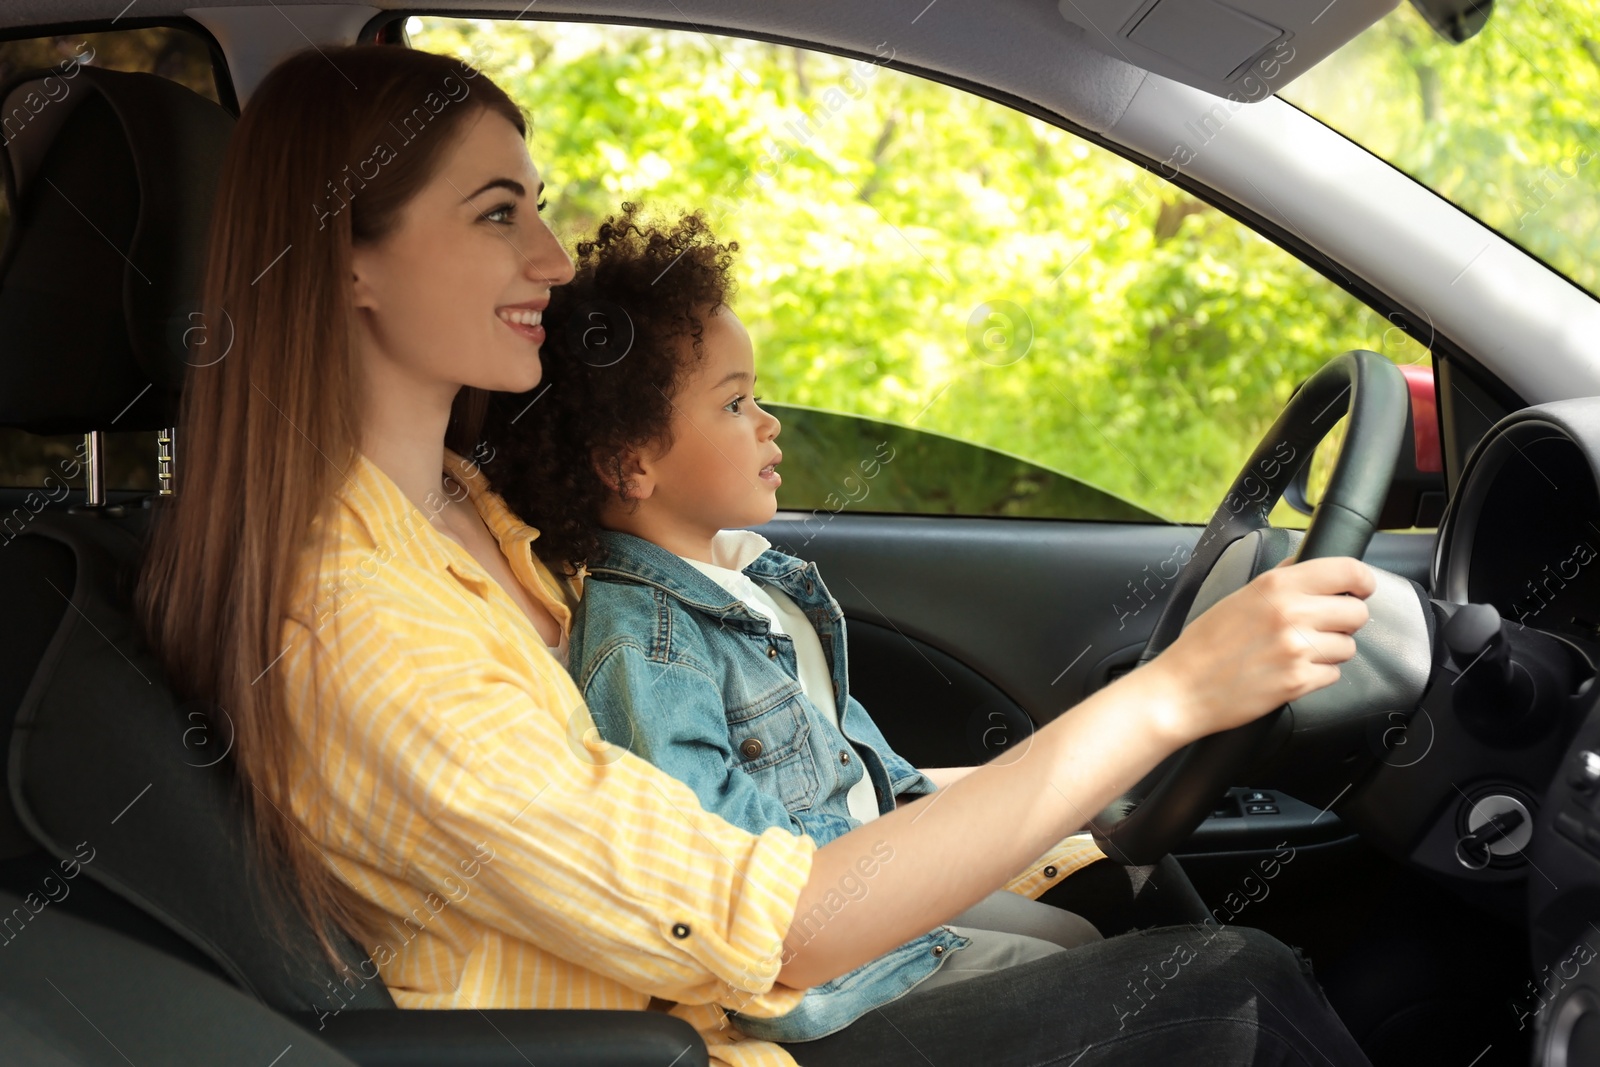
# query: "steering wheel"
1162 810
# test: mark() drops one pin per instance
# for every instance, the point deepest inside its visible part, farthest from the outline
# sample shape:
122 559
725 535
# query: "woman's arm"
1270 642
448 775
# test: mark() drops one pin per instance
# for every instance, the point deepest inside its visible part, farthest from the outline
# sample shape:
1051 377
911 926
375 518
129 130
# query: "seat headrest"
110 178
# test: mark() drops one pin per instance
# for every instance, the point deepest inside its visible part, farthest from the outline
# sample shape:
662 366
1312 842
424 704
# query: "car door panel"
966 633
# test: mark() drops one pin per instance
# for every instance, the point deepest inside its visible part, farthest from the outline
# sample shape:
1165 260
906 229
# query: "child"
697 645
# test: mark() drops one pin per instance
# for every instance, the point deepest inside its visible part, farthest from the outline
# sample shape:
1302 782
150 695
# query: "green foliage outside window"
917 254
1503 125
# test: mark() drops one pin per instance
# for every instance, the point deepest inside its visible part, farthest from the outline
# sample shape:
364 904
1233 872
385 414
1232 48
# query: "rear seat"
106 774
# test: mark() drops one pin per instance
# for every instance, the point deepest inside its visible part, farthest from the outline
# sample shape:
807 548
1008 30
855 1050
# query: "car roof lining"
1039 57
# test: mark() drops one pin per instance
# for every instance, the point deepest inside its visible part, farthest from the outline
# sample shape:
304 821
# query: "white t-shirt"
734 550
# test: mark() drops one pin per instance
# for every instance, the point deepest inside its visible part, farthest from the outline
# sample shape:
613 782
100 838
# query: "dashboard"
1524 532
1522 535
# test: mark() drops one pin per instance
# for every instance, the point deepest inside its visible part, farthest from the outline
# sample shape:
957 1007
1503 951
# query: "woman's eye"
508 210
543 203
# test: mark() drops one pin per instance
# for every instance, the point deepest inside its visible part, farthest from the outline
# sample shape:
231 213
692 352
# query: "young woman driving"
335 573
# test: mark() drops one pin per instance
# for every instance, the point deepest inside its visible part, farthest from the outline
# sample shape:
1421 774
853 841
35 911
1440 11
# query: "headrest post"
94 481
165 454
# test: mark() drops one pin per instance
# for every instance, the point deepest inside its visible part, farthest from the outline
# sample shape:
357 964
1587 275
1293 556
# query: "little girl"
697 645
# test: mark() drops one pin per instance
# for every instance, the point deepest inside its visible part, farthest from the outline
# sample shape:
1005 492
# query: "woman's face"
452 296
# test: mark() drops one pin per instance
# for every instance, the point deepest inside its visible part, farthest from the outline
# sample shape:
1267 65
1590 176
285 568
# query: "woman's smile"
525 319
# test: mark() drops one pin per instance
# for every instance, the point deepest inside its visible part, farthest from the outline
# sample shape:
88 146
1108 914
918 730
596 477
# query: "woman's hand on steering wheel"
1281 636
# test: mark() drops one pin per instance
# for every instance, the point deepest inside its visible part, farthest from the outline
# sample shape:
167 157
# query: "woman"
420 768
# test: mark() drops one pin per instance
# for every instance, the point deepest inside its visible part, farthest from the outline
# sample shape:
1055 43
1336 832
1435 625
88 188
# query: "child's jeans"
1193 995
1007 929
1151 992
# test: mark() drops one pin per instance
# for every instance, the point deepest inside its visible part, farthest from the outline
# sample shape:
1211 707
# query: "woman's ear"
361 294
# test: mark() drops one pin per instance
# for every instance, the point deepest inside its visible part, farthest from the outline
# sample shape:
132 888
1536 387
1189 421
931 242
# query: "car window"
920 257
171 52
1502 124
861 464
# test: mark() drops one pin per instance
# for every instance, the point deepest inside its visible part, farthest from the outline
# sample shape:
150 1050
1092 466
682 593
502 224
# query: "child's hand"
1273 641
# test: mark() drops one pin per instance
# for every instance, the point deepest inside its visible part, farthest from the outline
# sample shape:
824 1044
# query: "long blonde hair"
268 429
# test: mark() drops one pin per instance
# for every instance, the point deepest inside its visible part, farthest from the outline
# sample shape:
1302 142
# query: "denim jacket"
679 671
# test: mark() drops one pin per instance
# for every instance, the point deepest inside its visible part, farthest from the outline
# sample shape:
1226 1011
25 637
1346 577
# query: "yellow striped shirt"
450 772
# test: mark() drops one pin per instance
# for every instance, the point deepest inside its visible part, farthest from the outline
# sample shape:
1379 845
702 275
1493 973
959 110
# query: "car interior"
1426 830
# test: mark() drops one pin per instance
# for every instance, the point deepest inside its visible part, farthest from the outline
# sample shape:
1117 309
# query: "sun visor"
1242 49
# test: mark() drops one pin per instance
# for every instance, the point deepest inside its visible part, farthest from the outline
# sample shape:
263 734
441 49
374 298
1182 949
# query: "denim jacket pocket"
772 745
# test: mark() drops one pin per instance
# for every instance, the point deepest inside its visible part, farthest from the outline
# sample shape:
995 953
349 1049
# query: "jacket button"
938 950
750 748
808 587
1050 872
772 651
844 757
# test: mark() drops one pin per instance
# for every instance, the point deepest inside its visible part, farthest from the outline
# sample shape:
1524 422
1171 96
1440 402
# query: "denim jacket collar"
635 559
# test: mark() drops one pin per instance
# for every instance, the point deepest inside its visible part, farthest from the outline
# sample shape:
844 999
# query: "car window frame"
389 27
221 74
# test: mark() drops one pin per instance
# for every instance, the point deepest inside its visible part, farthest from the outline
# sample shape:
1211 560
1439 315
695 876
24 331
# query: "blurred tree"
917 254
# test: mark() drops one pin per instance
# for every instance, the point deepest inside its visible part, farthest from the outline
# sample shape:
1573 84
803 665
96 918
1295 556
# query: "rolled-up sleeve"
1070 854
434 762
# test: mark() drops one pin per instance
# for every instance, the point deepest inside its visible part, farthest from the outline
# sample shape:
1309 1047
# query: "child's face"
718 473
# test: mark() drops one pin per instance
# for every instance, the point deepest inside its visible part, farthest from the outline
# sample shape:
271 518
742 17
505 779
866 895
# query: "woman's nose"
547 261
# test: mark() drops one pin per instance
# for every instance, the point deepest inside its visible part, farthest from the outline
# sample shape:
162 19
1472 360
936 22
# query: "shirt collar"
398 527
634 558
734 550
516 540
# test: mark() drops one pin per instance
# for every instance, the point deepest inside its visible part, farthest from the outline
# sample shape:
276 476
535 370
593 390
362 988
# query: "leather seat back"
110 188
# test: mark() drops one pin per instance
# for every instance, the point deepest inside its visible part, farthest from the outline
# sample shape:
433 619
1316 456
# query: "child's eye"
733 405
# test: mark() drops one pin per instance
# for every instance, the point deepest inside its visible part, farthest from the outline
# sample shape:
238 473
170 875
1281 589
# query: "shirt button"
772 651
1050 872
844 757
750 748
938 950
680 930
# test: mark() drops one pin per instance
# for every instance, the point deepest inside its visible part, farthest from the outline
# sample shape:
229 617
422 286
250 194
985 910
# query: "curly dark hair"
613 358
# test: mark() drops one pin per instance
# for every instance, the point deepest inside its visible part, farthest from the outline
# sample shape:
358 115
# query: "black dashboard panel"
1523 530
1538 534
1523 535
1563 906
